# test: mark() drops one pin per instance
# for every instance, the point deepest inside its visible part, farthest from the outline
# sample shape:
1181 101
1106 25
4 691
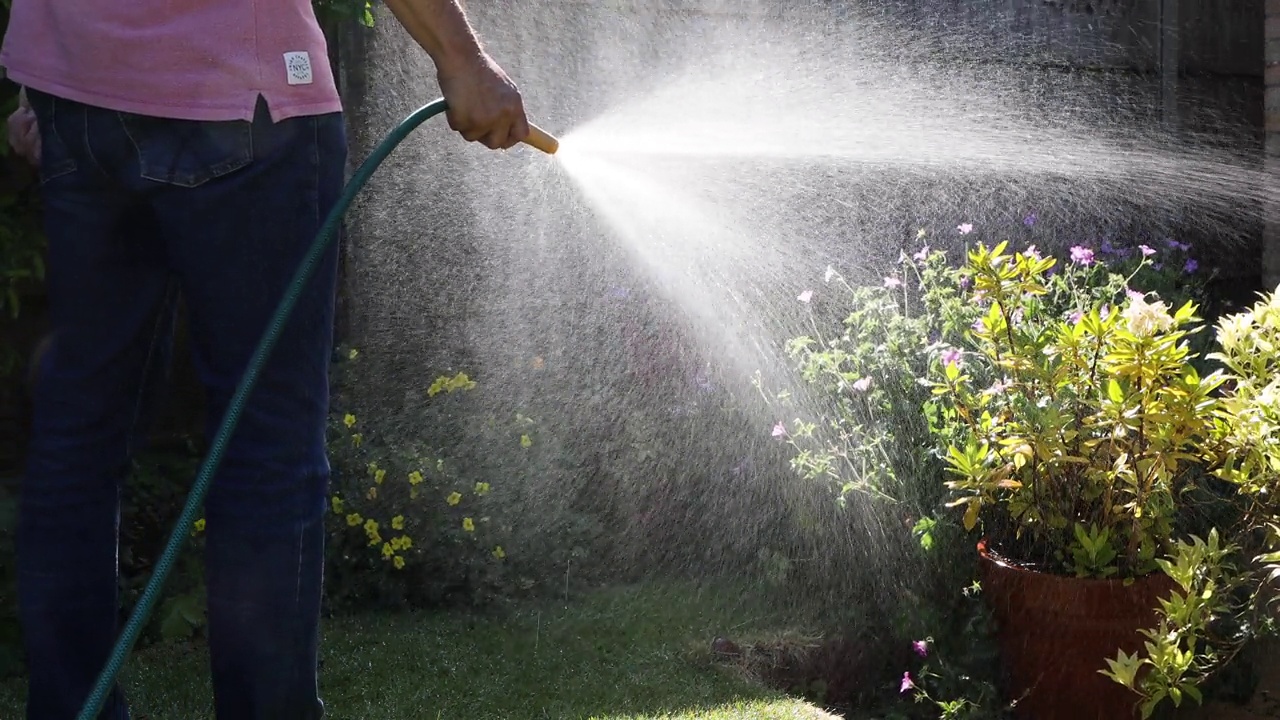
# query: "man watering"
193 147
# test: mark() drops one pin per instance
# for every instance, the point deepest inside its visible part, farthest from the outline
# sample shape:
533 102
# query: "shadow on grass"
628 653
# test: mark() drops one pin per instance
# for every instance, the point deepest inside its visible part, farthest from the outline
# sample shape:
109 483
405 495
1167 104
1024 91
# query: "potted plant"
1079 431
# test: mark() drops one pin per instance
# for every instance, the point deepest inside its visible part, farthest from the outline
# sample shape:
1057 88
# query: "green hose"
182 530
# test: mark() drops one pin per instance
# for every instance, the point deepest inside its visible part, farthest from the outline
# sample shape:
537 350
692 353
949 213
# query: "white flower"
1145 319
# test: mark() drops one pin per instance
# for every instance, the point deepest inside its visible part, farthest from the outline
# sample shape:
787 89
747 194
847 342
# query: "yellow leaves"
971 514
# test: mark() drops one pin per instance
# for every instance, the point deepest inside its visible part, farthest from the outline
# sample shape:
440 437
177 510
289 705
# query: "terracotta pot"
1055 633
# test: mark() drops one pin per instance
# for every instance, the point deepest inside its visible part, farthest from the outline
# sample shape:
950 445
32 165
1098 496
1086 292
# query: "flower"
454 498
1032 252
468 524
862 384
1145 319
779 429
198 526
1030 220
352 355
907 683
1075 317
354 519
951 356
349 420
398 562
892 283
1081 255
379 476
922 255
372 494
805 296
921 648
336 503
387 550
1190 266
499 553
965 228
482 488
397 522
415 477
526 441
1147 250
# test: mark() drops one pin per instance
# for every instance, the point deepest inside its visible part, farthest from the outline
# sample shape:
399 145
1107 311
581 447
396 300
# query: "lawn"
630 653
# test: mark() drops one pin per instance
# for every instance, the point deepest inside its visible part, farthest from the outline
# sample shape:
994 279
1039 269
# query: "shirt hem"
175 111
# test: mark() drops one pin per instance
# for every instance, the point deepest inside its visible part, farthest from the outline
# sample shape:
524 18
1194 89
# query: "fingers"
24 134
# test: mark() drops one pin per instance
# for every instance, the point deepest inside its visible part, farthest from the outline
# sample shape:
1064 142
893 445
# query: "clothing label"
297 66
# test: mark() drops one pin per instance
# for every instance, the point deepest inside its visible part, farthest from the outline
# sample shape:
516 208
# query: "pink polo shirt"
186 59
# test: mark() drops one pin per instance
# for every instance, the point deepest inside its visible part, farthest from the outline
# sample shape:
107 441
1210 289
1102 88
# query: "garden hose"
537 138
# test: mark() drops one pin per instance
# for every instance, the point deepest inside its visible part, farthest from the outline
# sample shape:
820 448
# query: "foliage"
408 527
1073 409
332 12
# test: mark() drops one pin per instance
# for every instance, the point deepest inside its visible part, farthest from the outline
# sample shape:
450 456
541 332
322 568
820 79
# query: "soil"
1262 704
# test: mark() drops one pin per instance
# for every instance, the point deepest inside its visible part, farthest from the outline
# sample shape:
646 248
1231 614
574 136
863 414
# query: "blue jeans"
139 212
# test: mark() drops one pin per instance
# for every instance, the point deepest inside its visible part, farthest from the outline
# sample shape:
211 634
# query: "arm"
484 104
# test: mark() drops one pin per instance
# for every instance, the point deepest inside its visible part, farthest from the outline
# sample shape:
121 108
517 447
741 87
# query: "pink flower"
1134 295
805 296
892 283
922 255
907 683
779 429
921 648
862 385
951 357
1032 252
1147 250
1075 317
1081 255
965 228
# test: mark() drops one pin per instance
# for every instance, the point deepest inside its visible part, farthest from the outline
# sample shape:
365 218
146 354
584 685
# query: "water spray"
537 138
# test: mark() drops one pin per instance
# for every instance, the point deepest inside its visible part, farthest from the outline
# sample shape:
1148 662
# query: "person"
190 150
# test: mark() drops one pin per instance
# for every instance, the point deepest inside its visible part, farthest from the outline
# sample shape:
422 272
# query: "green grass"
622 654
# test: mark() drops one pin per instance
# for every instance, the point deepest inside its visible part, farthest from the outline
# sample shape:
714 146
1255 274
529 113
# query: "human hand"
484 104
24 133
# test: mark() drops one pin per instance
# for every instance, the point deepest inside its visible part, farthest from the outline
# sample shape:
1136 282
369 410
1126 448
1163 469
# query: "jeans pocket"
56 158
188 153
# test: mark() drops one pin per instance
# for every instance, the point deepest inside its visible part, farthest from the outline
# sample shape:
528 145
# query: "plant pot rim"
1008 565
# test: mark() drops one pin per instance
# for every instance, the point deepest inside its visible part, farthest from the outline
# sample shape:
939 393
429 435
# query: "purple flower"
922 255
620 293
1106 248
1135 295
862 385
965 228
965 282
1032 252
1191 266
907 684
921 647
892 283
1075 317
1175 245
1147 250
805 296
950 357
978 325
1081 255
779 429
1030 220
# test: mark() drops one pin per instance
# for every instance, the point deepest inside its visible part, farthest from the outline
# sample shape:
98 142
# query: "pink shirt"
186 59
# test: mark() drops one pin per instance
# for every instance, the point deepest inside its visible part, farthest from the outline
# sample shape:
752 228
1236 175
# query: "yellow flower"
454 498
397 522
482 488
349 420
398 562
415 477
198 526
406 542
354 519
374 539
440 465
379 476
387 551
371 526
499 553
373 467
356 439
336 502
373 492
352 355
468 525
526 441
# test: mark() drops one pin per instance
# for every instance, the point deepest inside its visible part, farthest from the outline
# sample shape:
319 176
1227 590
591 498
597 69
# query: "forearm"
441 28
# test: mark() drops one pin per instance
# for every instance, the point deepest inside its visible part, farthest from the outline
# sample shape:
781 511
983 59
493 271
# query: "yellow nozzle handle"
542 140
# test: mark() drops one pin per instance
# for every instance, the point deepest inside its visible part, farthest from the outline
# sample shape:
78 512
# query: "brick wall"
1271 242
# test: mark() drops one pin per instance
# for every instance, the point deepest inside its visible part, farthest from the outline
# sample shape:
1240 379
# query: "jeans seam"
148 366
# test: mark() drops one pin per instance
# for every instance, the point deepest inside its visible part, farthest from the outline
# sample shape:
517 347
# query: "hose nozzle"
542 140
